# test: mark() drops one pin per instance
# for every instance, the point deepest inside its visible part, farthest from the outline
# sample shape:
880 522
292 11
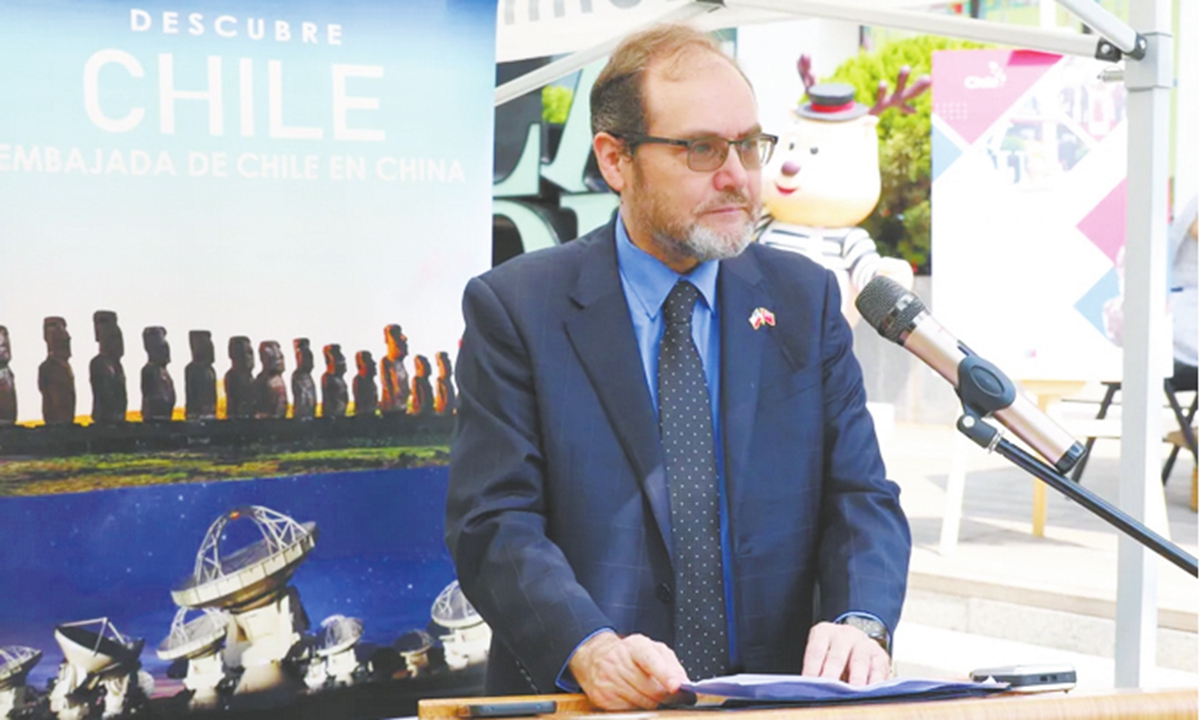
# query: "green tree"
556 104
900 222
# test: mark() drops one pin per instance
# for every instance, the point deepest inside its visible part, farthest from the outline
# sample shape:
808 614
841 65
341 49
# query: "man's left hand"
843 652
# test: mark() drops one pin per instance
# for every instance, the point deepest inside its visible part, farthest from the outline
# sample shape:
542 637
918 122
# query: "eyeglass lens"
708 155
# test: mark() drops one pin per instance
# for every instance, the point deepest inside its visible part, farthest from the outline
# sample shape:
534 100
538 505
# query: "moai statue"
366 396
239 380
392 374
444 400
200 378
270 390
56 381
422 391
304 390
158 389
8 385
109 398
333 386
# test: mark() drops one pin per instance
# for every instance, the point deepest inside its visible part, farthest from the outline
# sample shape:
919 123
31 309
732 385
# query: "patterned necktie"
685 423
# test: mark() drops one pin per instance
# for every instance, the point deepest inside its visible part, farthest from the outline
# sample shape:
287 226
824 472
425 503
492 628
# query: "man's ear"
612 159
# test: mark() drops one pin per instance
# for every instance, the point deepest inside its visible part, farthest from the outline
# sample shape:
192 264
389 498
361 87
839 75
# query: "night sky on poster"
379 556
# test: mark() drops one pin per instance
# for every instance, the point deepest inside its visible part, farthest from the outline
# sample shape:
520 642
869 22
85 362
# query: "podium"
1121 704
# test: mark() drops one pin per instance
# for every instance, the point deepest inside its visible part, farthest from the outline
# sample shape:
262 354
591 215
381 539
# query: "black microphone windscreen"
888 307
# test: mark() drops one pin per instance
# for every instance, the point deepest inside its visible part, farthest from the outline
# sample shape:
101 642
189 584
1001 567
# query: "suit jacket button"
664 593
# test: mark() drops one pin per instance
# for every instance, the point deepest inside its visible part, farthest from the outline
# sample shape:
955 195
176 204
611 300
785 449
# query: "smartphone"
1030 678
517 708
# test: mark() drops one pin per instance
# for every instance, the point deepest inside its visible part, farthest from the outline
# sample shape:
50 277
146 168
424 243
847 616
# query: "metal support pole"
1146 346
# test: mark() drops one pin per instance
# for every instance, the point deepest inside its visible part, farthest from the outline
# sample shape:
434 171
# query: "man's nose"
732 172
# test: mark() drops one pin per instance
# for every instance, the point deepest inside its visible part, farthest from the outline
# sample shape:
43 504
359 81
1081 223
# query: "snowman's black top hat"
832 102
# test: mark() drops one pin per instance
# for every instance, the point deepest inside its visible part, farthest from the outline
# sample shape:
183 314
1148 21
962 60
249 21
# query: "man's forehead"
664 86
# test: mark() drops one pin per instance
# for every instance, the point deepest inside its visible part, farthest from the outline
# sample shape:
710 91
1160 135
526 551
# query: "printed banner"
251 169
1029 157
234 242
326 595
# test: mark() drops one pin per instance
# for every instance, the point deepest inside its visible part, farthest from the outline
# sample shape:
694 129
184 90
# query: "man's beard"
691 239
703 244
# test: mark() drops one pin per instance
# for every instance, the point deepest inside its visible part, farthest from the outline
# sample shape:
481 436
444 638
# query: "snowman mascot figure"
824 181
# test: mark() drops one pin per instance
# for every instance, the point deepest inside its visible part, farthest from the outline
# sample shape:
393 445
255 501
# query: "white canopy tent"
590 31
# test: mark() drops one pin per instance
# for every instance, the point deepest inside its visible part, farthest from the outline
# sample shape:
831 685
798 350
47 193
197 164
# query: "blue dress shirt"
647 282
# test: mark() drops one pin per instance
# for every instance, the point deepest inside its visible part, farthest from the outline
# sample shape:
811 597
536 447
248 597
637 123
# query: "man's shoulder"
780 266
545 264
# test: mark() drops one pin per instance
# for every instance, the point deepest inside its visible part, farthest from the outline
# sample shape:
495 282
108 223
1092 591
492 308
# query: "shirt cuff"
565 680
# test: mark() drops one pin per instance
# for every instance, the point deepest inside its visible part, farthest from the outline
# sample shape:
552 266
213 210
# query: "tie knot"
677 309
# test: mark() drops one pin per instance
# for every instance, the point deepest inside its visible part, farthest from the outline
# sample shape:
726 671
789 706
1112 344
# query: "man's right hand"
624 673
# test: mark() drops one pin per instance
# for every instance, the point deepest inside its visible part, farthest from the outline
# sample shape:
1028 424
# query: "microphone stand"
979 402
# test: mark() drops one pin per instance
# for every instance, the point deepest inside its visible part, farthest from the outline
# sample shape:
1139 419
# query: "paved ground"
1003 596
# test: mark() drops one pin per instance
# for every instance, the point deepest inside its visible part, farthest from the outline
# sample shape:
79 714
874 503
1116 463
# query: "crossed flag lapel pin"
761 316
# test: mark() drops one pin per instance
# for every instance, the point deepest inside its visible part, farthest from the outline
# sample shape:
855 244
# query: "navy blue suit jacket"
558 515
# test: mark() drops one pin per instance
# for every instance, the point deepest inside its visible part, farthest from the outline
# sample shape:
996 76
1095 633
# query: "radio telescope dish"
192 638
413 641
338 633
15 663
96 651
251 575
452 610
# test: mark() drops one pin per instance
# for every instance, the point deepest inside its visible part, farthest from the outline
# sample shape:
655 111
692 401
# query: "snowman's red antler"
804 67
903 95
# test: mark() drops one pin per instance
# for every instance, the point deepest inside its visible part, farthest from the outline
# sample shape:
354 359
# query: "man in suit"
589 541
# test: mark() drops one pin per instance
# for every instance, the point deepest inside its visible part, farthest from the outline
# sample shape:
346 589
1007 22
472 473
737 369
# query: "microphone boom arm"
991 439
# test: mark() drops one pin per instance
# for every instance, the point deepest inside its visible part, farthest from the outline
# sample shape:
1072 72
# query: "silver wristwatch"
874 629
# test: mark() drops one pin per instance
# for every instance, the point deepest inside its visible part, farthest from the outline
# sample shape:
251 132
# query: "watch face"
874 629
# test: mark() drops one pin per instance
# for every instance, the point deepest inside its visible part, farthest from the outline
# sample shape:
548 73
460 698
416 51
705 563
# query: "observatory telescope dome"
15 663
248 576
195 637
452 610
98 650
338 633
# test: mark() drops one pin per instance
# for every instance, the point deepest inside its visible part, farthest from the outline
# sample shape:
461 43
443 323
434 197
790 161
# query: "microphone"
901 317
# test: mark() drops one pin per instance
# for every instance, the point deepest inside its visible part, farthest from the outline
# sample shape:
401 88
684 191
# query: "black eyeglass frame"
743 145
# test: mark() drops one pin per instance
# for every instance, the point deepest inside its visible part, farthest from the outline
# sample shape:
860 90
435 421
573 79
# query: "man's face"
677 214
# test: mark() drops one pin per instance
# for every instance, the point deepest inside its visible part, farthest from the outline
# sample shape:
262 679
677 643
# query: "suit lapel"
741 291
601 333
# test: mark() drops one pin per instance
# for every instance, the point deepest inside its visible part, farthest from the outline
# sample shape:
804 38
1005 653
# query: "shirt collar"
650 281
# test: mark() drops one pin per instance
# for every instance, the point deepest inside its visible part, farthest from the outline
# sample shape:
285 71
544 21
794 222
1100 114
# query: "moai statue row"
247 396
56 379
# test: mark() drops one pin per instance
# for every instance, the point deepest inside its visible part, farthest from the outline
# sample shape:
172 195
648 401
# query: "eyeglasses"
708 154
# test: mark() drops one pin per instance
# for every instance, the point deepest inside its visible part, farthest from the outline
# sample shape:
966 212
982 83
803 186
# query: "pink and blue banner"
1028 198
